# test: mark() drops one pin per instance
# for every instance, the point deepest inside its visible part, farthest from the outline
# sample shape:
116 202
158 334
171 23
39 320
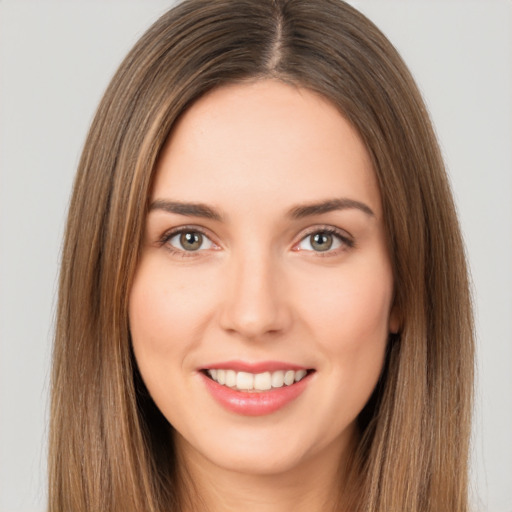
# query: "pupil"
191 241
321 241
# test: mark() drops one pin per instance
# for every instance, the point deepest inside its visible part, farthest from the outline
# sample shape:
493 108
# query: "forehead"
265 139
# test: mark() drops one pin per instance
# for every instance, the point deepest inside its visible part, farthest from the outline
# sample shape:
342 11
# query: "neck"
315 485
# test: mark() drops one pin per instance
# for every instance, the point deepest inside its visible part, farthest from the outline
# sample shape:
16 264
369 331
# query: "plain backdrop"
56 58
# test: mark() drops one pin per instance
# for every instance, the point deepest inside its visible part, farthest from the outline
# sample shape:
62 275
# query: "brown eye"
325 240
191 241
321 241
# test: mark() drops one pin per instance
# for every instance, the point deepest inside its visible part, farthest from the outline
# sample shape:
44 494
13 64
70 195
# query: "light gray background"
56 59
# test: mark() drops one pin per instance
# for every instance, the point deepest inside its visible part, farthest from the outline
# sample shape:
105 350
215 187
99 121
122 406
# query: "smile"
251 382
255 389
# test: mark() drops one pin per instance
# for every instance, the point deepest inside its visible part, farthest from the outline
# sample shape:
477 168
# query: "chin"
263 452
258 461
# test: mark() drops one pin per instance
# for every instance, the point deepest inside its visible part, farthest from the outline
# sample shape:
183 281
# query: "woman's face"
264 263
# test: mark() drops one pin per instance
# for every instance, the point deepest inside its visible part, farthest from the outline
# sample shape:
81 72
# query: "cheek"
149 325
151 316
348 317
156 332
351 306
166 308
166 311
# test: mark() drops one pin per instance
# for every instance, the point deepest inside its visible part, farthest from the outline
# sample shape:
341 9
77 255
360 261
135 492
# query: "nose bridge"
255 302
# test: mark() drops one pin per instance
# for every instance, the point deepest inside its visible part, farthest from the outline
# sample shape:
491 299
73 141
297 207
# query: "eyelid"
346 238
171 233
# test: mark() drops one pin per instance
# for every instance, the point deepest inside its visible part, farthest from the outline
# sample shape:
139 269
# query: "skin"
257 290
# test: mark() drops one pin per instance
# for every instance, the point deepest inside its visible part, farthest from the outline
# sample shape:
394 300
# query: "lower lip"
255 404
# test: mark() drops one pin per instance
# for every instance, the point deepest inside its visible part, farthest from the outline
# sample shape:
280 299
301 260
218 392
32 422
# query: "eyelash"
347 242
168 235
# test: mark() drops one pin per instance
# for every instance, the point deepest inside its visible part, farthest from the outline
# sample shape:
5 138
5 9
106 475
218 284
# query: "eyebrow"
188 209
330 205
297 212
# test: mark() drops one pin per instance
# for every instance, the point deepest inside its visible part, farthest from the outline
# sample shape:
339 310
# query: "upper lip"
254 367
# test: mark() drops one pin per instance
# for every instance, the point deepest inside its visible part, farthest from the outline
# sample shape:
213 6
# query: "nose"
256 305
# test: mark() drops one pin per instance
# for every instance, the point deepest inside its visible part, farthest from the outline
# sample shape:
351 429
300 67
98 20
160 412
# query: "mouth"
248 382
256 388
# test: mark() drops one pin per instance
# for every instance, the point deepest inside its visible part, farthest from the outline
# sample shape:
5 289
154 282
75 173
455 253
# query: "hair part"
110 447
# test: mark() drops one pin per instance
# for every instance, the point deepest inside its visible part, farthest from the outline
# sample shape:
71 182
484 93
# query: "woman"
263 301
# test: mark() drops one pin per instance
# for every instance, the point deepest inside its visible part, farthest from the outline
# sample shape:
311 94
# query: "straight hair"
110 447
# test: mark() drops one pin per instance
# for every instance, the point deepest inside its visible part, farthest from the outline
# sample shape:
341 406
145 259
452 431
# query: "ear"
395 319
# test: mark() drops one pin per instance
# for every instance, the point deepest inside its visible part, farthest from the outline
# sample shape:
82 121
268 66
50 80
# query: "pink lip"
254 404
263 366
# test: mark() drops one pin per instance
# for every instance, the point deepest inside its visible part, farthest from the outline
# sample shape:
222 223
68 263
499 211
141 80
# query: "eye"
324 240
188 240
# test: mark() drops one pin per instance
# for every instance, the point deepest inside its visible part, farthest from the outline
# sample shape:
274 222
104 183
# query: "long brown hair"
110 448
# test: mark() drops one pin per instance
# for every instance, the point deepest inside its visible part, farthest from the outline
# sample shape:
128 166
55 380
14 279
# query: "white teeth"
245 381
221 376
289 377
278 379
263 381
230 378
299 375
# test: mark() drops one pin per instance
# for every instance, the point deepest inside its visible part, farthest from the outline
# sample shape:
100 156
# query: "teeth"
277 379
263 381
230 378
289 377
299 375
244 381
